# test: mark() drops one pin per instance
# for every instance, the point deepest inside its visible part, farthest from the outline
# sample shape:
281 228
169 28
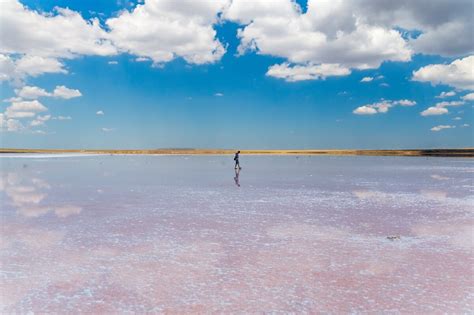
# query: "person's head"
238 151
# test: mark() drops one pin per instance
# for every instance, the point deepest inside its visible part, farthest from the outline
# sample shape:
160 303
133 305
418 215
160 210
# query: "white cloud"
465 125
35 42
367 79
405 103
365 110
381 107
306 72
62 33
358 34
99 112
446 94
218 94
440 108
468 97
24 109
36 65
20 115
141 59
40 120
458 74
452 103
31 92
66 93
13 99
108 129
162 30
62 118
441 127
434 111
9 124
7 68
354 34
457 118
330 32
17 68
113 62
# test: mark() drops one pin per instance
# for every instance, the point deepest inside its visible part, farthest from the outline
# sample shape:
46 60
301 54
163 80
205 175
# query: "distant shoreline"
468 152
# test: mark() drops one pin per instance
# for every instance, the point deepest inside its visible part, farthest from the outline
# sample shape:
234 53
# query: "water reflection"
197 246
439 177
28 195
236 177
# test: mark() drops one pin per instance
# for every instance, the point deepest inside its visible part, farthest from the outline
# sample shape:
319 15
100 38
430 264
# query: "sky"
316 74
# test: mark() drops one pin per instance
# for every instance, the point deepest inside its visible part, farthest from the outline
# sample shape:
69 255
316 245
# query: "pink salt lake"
108 234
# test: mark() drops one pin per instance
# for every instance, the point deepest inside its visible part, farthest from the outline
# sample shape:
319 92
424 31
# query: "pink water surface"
177 234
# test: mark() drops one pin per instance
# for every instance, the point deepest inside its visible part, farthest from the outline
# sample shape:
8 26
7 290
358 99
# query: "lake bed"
183 234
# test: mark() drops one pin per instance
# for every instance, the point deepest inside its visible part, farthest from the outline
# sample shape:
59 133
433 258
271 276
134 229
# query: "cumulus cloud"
108 129
26 106
446 94
441 127
437 20
61 33
10 124
358 34
100 112
218 94
113 62
65 92
34 42
36 65
452 103
367 79
162 30
440 108
468 97
24 109
365 110
328 33
405 103
306 72
381 107
434 111
31 92
40 120
17 68
458 74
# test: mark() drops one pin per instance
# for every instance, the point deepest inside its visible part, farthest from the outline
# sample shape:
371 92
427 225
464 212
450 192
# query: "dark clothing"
236 159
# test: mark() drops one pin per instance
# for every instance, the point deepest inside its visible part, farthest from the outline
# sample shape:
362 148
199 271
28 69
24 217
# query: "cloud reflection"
28 196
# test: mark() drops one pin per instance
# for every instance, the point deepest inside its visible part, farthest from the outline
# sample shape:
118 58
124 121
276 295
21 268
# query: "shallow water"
177 233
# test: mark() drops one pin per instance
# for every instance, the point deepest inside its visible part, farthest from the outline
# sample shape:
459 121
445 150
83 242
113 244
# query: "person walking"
236 159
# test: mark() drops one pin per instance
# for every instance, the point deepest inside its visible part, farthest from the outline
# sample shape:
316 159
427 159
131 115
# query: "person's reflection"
236 178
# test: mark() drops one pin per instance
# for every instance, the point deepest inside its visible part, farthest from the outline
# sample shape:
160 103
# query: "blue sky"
238 79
